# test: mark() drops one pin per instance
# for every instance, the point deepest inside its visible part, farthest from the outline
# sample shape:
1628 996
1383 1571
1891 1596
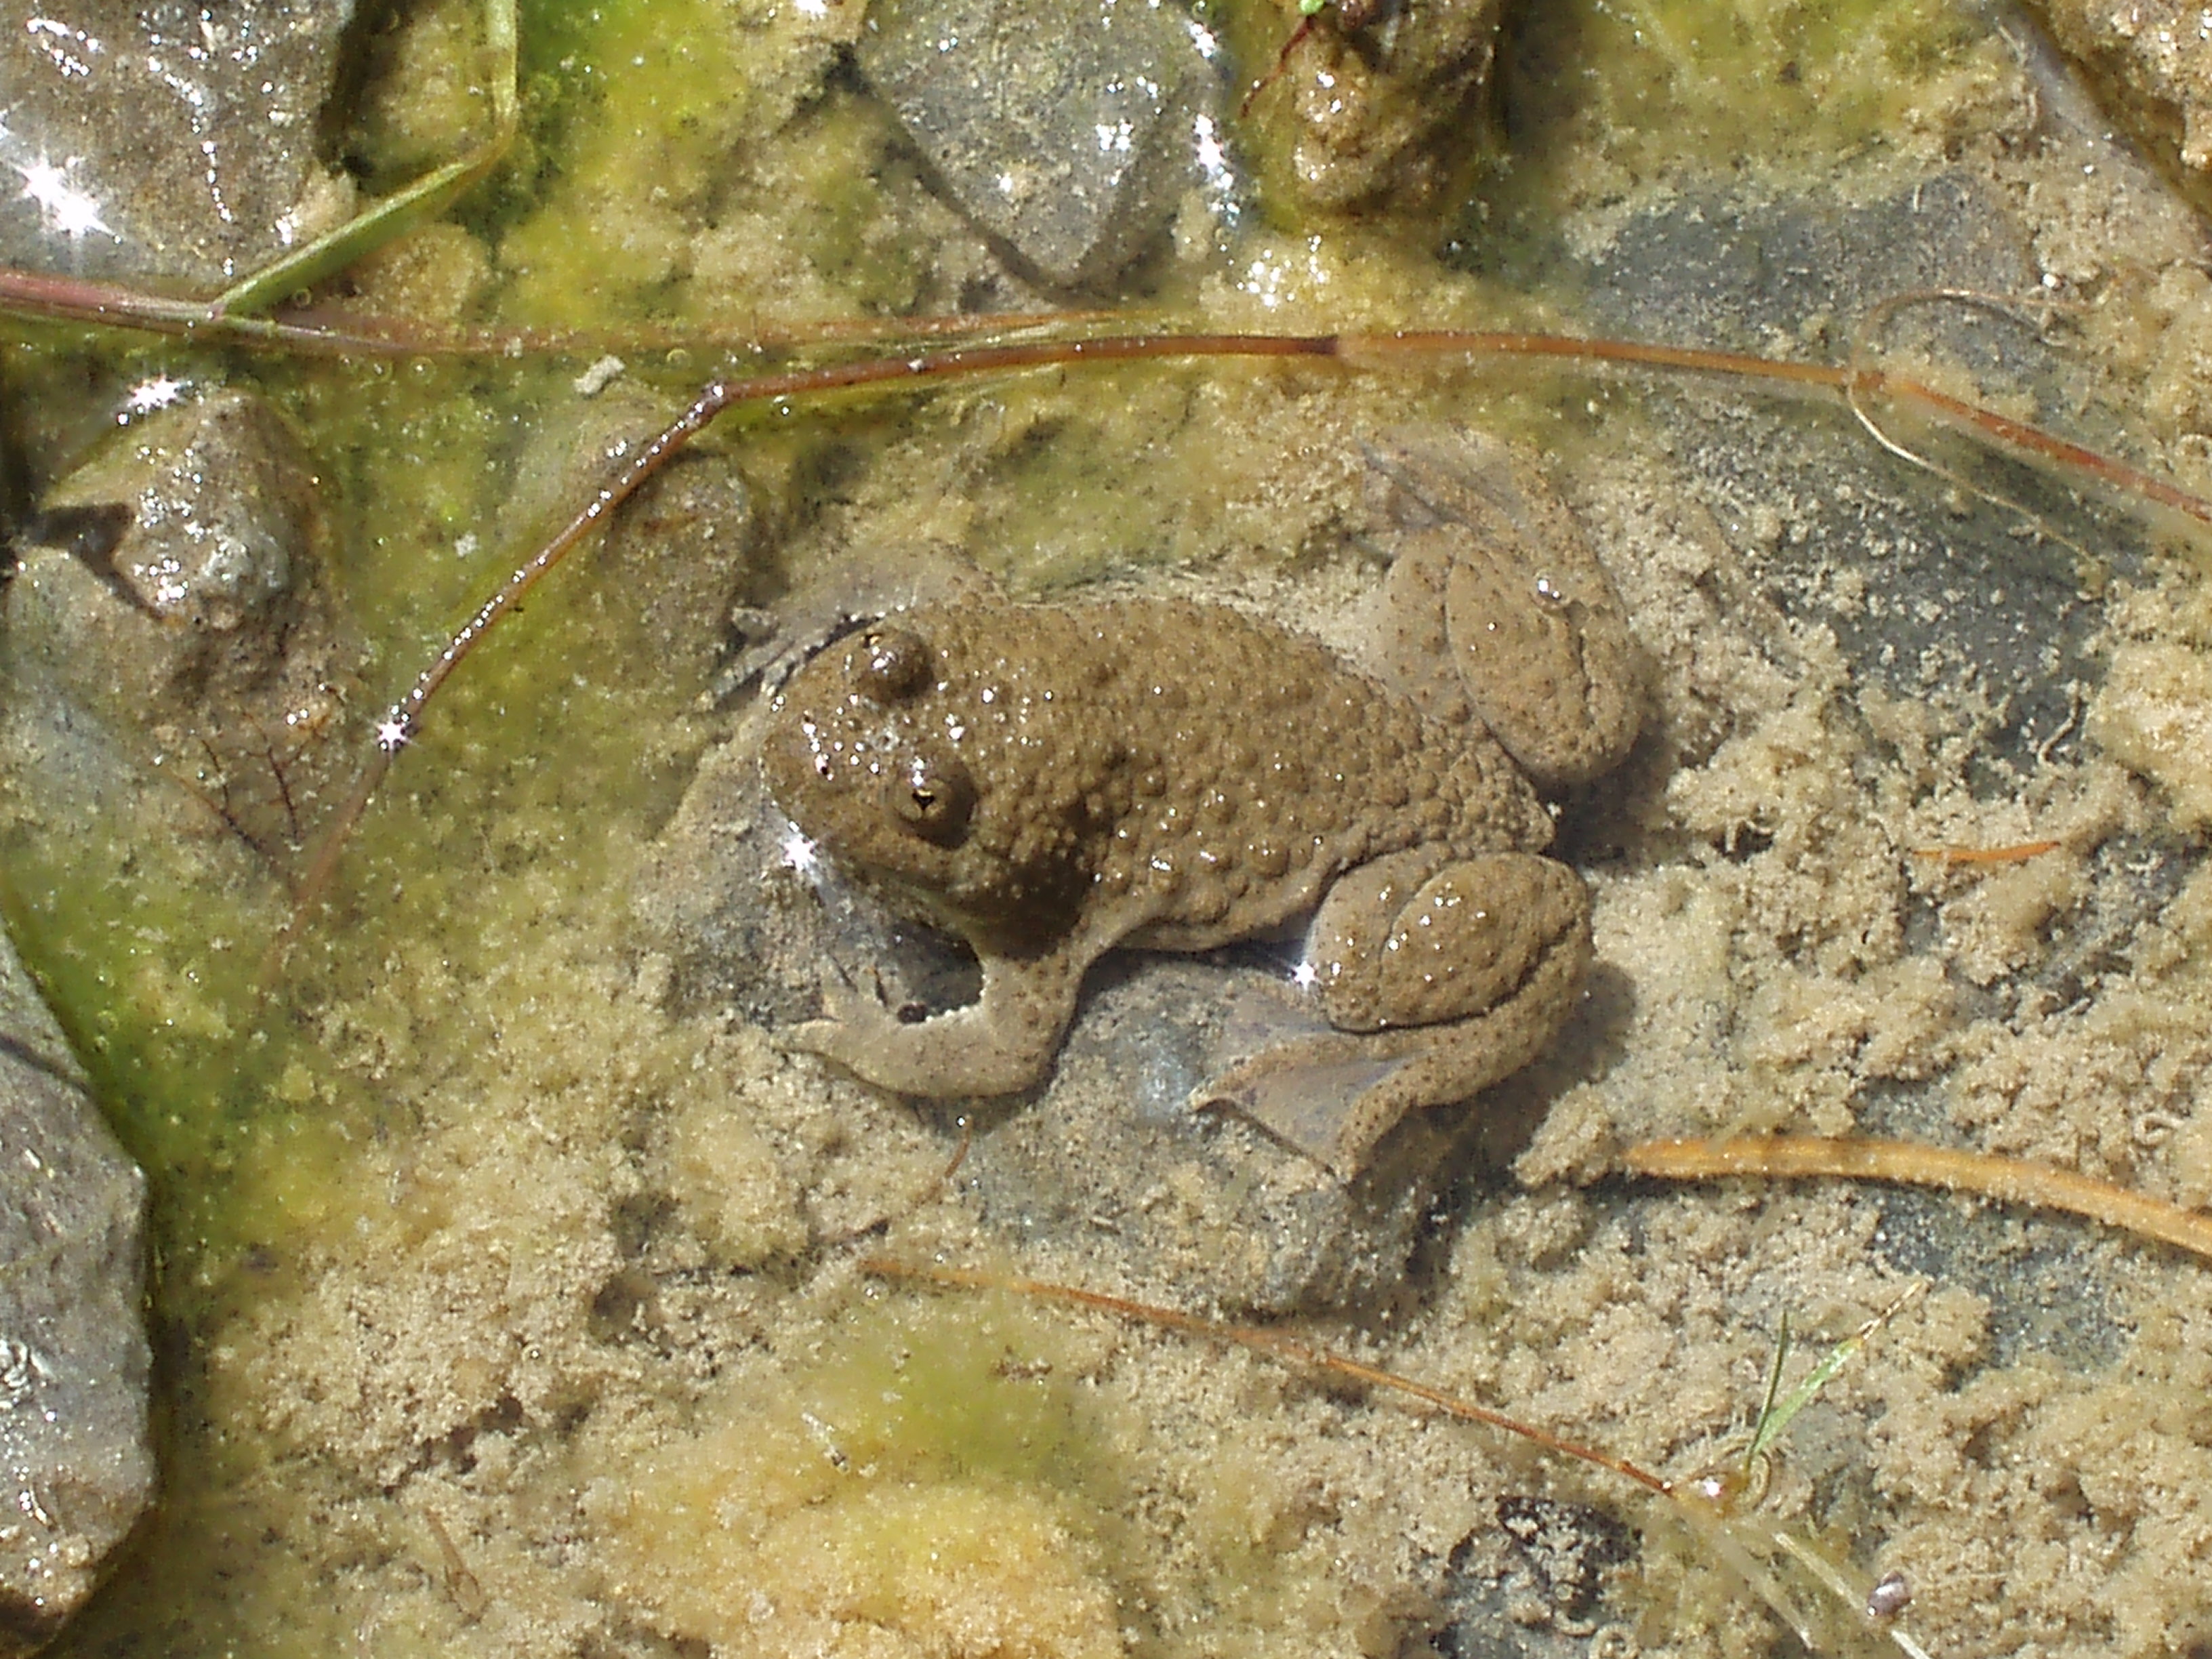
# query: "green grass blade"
403 210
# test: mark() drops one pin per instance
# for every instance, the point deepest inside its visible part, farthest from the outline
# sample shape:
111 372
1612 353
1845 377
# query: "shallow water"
507 1288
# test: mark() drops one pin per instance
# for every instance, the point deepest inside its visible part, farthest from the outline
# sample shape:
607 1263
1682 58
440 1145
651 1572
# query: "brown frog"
1050 780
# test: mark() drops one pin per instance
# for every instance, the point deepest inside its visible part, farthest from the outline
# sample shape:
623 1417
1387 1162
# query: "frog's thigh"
1469 995
1407 940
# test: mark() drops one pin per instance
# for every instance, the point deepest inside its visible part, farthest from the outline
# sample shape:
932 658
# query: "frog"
1051 780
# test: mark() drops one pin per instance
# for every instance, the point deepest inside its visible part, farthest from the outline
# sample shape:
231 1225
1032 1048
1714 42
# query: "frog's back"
1227 766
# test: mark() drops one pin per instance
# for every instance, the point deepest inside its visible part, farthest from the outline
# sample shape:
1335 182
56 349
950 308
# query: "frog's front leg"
1442 977
1001 1042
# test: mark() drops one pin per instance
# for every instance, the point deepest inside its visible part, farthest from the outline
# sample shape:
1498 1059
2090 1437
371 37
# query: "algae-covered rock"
168 607
175 560
1063 128
1383 100
74 1365
166 140
2151 62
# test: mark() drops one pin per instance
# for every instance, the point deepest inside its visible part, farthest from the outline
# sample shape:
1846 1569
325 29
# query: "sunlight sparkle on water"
64 206
1212 154
1278 280
159 393
798 848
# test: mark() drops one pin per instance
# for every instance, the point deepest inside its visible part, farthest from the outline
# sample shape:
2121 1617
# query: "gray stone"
1065 130
166 140
169 563
75 1452
1111 1159
170 649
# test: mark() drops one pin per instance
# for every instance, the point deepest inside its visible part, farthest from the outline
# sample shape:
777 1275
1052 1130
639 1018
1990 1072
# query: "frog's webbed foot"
1538 633
998 1044
852 1023
1434 987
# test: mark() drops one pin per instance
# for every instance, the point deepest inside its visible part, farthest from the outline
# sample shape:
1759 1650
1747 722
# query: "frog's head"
872 750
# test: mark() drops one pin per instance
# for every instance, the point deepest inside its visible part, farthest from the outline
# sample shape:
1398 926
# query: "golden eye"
894 665
933 796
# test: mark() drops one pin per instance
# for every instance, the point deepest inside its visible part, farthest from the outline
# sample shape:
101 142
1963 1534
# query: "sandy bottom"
555 1335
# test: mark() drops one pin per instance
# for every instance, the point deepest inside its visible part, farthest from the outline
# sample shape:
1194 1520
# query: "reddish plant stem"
1288 1348
969 361
2017 853
2008 1181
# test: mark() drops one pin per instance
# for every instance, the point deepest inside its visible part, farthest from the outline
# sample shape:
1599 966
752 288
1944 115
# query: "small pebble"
1888 1597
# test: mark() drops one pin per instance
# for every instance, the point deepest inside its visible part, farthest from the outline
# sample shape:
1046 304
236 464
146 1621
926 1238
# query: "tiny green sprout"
1774 1419
1760 1434
1311 7
1722 1509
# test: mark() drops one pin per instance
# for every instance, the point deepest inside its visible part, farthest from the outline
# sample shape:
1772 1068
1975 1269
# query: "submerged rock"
1112 1157
166 140
169 565
74 1365
1384 112
1064 128
2150 61
168 622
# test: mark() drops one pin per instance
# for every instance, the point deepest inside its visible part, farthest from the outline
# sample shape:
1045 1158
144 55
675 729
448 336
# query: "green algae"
248 1105
1768 83
988 1387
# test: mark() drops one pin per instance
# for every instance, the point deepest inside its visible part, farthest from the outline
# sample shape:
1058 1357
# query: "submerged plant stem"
2018 853
961 362
2007 1180
1310 1355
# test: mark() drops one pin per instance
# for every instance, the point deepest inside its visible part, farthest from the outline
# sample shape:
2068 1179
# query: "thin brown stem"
1288 1348
2008 1181
2019 852
960 362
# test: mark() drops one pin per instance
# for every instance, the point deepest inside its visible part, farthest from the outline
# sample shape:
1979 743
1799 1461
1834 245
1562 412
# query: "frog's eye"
933 796
894 663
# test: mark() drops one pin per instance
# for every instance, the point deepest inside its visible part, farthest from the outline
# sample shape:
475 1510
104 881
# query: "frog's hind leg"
1531 626
1436 983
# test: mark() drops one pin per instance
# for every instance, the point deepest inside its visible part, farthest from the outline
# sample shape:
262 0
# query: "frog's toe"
851 1022
833 1039
1318 1106
845 1004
